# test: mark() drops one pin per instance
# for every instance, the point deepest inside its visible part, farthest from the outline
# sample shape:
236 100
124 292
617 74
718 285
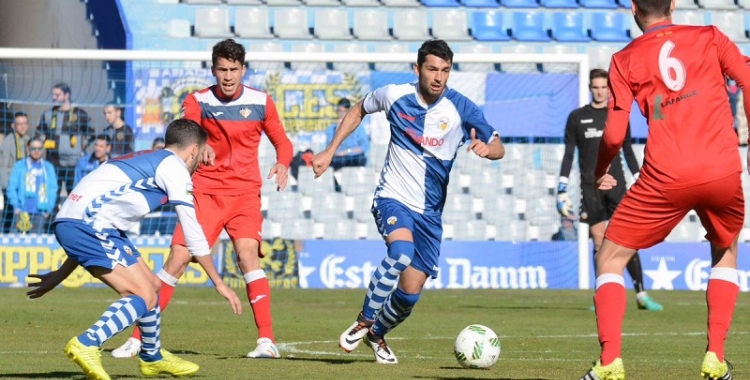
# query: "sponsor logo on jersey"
406 117
424 140
593 133
587 121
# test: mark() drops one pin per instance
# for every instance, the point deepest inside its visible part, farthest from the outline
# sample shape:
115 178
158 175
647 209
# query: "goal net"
526 97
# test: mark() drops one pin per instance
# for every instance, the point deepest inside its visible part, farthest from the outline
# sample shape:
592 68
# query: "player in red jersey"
676 75
227 193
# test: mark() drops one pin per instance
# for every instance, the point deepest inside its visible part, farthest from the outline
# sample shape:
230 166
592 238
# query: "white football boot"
350 338
383 353
266 349
130 349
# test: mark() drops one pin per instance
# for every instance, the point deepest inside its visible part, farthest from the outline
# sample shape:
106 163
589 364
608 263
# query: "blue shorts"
90 248
427 231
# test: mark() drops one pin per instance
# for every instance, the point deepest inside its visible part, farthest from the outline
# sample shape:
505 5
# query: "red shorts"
648 214
238 214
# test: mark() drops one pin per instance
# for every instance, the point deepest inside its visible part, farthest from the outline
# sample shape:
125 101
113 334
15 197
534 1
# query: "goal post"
28 75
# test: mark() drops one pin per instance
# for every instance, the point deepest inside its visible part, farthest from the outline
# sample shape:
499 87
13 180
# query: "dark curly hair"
229 50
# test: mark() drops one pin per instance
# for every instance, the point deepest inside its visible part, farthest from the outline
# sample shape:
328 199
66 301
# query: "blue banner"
530 105
463 265
683 266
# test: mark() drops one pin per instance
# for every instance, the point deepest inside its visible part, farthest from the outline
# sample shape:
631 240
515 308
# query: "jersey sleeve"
191 109
276 133
571 141
734 64
174 179
618 118
474 119
620 94
377 100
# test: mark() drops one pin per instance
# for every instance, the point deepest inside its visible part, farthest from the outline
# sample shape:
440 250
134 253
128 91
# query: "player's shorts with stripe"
648 213
427 231
598 205
239 214
90 248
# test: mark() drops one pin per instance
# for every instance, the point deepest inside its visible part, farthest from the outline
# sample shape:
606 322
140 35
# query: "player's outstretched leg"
259 295
84 349
381 285
635 270
154 360
132 347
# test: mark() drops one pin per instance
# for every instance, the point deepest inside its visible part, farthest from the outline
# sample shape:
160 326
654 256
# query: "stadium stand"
508 200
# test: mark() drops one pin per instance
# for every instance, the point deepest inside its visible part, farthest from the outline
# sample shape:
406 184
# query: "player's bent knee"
178 260
402 252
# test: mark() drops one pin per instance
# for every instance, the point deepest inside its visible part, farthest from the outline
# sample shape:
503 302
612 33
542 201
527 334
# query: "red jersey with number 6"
676 74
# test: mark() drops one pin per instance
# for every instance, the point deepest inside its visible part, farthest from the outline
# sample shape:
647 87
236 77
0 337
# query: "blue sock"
150 325
384 279
397 308
118 317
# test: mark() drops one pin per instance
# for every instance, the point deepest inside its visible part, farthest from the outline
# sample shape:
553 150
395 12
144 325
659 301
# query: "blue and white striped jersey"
119 193
424 142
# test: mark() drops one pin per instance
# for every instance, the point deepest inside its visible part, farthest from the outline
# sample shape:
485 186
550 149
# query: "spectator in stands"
32 190
12 149
120 135
65 131
86 165
567 231
158 143
353 151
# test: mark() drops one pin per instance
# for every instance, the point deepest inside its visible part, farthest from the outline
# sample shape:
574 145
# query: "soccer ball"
477 346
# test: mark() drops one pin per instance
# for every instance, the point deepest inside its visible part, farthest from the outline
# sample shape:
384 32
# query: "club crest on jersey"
189 189
128 250
443 123
245 112
392 220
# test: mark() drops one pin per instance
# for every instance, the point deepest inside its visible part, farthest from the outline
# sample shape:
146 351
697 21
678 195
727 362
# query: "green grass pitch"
544 335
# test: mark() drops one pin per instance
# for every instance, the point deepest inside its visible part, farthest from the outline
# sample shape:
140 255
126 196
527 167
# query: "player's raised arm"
734 64
484 139
349 123
618 116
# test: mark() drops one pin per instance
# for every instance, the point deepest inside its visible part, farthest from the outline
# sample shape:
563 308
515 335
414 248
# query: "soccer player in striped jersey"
91 229
227 193
676 74
429 123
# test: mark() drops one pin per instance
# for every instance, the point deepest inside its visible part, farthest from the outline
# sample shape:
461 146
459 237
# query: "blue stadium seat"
568 27
440 3
520 3
609 27
489 26
529 26
559 4
480 3
602 4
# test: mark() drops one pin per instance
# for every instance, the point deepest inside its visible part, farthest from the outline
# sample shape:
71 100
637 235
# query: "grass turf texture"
544 335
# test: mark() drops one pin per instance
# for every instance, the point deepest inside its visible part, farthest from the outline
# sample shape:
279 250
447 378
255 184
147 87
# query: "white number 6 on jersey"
666 63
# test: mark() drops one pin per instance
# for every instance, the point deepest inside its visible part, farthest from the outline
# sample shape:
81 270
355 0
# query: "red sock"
259 295
610 302
165 294
721 296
